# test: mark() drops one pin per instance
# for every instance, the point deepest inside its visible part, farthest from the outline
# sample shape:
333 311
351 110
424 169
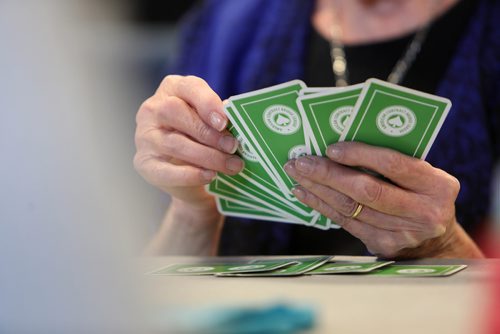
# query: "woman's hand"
414 216
182 142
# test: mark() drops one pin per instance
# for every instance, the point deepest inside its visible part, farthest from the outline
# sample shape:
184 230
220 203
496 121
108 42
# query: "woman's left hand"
414 216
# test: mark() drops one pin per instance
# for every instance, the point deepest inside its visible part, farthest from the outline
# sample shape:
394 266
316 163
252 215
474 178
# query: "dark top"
239 46
376 60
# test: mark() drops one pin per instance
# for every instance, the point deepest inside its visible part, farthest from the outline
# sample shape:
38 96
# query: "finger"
346 207
378 241
177 145
337 200
407 172
165 175
177 114
198 94
359 186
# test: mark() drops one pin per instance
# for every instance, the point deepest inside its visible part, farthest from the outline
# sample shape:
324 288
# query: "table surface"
344 303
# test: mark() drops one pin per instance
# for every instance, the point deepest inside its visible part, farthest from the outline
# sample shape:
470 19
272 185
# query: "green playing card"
327 113
231 208
300 267
281 208
222 190
396 117
256 182
348 267
270 120
215 268
254 186
419 270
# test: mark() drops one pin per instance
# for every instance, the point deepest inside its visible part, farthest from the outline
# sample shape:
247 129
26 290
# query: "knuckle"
348 205
422 164
205 134
168 107
453 185
170 80
138 162
433 215
191 83
200 87
328 211
311 199
182 177
149 170
388 246
192 79
324 208
394 164
409 240
306 183
145 110
328 171
370 191
144 137
172 143
436 220
439 230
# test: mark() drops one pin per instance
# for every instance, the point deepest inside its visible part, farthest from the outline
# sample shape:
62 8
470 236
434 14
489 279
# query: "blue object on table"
277 319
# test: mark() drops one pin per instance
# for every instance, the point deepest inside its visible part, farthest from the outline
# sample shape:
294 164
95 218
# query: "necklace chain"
339 60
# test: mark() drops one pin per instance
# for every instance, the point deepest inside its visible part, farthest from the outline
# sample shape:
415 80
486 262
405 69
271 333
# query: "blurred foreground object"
68 223
277 319
494 311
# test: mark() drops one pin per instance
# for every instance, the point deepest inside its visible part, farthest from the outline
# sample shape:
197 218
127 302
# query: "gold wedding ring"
358 210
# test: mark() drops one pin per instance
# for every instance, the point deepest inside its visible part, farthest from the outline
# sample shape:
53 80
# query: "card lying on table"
299 267
308 265
351 267
419 270
223 267
286 121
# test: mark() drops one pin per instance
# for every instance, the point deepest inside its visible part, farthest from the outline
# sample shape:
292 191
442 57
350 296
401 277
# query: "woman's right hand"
182 141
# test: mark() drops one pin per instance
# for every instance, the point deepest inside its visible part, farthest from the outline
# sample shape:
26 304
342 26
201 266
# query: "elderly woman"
429 209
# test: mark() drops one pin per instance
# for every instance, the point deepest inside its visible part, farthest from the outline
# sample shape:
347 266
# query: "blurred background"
72 76
73 211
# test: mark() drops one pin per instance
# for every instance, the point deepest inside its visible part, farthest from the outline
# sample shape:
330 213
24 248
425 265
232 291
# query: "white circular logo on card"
396 121
195 269
249 267
343 268
281 119
339 118
416 271
245 151
297 151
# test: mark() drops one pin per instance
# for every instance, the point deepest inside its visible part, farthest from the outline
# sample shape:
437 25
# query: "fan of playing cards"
283 122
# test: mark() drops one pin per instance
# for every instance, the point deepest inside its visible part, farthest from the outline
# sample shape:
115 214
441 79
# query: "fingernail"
334 152
299 193
290 167
234 164
305 165
228 144
217 121
208 175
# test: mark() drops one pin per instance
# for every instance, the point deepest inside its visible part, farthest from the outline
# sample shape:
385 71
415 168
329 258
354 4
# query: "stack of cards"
283 122
314 265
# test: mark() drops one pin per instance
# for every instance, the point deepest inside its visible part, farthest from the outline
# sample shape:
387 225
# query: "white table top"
344 303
